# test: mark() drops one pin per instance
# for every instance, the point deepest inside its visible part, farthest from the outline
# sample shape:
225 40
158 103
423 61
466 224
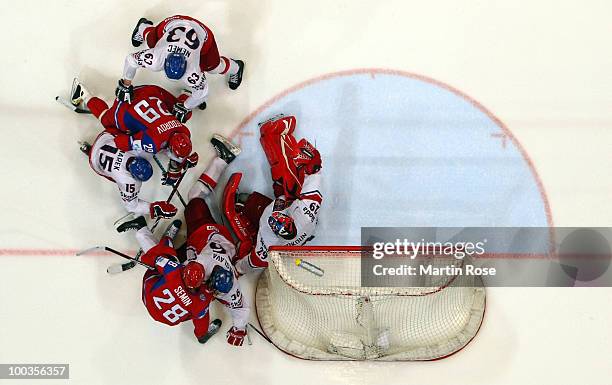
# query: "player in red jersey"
173 293
185 49
145 126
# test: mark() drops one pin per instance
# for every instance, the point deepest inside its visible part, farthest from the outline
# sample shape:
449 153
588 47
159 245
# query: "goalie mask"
282 225
308 157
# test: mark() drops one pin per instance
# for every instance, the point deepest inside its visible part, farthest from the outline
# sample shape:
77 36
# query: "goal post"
311 305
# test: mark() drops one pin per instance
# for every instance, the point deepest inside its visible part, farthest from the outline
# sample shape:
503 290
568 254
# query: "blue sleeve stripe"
202 314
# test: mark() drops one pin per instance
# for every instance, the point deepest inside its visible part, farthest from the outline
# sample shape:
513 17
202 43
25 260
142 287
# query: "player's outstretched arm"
198 96
130 66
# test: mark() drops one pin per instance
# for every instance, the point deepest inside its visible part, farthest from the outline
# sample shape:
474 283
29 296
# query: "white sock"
226 66
145 239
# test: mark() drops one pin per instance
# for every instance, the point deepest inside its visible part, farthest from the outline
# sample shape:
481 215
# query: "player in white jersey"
289 220
185 49
127 171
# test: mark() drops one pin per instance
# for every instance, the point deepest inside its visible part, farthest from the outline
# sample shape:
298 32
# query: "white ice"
543 68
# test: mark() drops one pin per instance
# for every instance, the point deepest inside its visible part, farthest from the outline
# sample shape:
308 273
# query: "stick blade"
87 251
65 103
70 106
120 267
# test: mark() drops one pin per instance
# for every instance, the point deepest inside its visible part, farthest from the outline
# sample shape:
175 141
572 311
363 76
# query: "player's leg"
250 263
244 227
79 93
201 223
226 153
197 214
144 236
142 29
234 68
254 206
212 62
98 107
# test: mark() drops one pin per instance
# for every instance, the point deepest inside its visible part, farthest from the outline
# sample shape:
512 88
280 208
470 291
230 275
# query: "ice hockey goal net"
332 317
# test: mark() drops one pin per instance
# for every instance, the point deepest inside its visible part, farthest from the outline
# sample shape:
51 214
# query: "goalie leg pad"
272 136
279 125
280 145
238 222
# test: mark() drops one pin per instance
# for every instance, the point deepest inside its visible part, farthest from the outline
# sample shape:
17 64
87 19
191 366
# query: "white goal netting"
332 317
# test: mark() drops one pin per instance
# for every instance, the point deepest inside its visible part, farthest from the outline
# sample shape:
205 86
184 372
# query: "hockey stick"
121 267
163 170
259 332
70 106
111 250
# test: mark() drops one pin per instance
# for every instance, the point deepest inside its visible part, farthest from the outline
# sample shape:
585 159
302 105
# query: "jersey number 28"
175 313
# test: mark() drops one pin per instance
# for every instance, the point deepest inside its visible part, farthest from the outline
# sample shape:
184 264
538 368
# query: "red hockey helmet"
307 156
193 275
180 144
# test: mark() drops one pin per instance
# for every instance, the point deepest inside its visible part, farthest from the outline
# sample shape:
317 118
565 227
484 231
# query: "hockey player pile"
146 123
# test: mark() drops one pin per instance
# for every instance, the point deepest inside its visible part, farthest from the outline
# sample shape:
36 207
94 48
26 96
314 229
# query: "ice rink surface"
517 94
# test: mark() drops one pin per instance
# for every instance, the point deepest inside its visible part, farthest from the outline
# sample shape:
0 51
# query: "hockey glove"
172 175
170 178
191 161
124 93
180 112
236 336
162 209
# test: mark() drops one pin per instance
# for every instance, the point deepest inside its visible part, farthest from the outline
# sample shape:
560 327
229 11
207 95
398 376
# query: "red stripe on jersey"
207 180
312 195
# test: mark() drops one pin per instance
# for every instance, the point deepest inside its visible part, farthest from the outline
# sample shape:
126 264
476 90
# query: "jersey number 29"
148 112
